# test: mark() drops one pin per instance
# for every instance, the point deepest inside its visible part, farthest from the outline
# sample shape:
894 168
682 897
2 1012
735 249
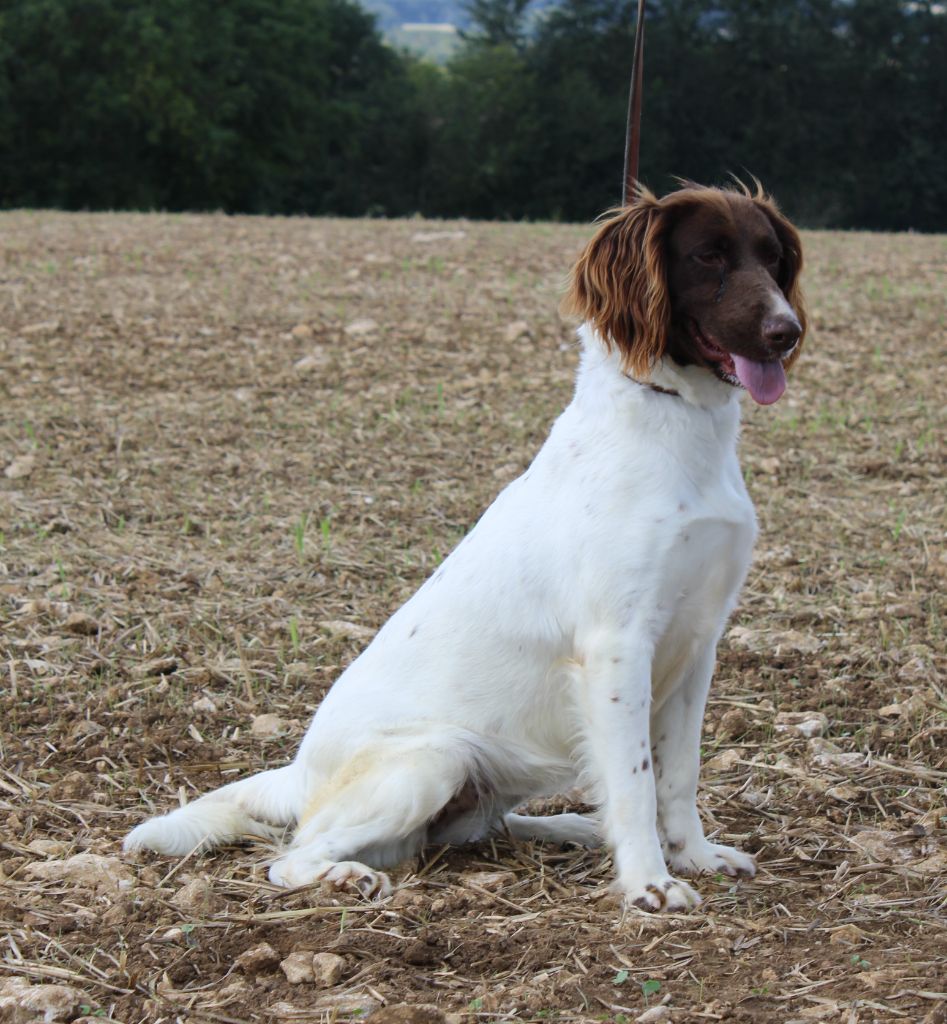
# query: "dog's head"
706 276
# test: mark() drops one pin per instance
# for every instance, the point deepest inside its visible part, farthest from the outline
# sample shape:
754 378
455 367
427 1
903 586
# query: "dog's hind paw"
292 872
713 859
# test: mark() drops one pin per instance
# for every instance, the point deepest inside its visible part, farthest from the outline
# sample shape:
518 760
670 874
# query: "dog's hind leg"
262 805
376 809
555 828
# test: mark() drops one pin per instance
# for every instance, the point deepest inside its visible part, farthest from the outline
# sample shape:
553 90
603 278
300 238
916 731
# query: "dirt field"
230 447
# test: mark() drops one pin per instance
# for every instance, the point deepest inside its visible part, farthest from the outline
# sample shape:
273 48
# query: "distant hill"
392 14
429 27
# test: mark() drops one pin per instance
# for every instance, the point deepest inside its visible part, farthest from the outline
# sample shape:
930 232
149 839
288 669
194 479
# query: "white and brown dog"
571 635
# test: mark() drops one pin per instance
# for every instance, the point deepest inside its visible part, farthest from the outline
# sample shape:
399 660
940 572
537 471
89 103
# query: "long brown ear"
790 267
619 284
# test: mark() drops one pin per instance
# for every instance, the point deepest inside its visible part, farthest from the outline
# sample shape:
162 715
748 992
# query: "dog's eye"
771 259
710 257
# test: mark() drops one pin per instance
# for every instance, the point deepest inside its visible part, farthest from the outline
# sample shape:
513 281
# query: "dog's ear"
790 266
619 284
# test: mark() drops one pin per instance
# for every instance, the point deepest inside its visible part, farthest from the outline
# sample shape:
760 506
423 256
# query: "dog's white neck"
601 371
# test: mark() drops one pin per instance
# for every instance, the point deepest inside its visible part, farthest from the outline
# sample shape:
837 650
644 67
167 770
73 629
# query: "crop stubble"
230 447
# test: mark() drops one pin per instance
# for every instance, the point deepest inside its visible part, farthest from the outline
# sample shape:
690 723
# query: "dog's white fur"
569 638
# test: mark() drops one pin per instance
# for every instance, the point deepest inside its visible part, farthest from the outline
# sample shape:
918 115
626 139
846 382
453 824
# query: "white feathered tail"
262 805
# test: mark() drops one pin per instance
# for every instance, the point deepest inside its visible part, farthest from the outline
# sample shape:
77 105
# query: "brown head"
706 276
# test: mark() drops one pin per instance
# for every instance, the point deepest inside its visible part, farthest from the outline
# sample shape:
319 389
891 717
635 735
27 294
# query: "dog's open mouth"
765 380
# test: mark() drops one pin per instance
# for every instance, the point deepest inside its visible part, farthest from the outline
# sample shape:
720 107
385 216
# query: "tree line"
298 106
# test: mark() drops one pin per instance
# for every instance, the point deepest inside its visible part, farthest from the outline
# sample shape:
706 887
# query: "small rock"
726 760
72 786
880 980
298 968
934 866
346 1003
361 328
752 798
802 723
266 727
22 1002
492 881
314 361
793 640
301 331
759 640
43 327
844 792
157 667
341 627
85 727
405 1013
196 898
747 639
20 467
327 969
228 993
438 236
904 610
58 525
880 846
914 705
118 913
40 606
90 870
843 759
205 706
846 935
258 958
915 670
80 624
734 723
46 847
516 330
655 1014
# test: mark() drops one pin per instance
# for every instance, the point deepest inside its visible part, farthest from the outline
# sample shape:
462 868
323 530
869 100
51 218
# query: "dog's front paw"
292 871
349 874
709 857
661 894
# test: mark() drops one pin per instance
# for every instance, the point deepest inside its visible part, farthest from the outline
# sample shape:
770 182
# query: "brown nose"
782 332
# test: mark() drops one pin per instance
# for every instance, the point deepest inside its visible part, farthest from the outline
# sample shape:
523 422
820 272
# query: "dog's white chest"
704 569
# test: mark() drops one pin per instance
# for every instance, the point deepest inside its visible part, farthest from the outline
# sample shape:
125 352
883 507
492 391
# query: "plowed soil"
231 447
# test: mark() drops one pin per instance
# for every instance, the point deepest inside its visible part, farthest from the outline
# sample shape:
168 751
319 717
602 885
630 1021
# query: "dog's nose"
782 332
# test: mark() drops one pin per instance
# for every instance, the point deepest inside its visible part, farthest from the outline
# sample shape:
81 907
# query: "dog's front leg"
676 755
615 700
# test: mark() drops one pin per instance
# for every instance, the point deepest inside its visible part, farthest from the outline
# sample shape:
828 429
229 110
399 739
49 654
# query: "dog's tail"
262 805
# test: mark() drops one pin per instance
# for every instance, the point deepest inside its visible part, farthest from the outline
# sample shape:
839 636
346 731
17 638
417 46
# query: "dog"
570 637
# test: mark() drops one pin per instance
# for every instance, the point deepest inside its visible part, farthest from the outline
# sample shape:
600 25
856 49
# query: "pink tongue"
765 381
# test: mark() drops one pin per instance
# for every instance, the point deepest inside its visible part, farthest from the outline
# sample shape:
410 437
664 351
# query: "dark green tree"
251 105
496 22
